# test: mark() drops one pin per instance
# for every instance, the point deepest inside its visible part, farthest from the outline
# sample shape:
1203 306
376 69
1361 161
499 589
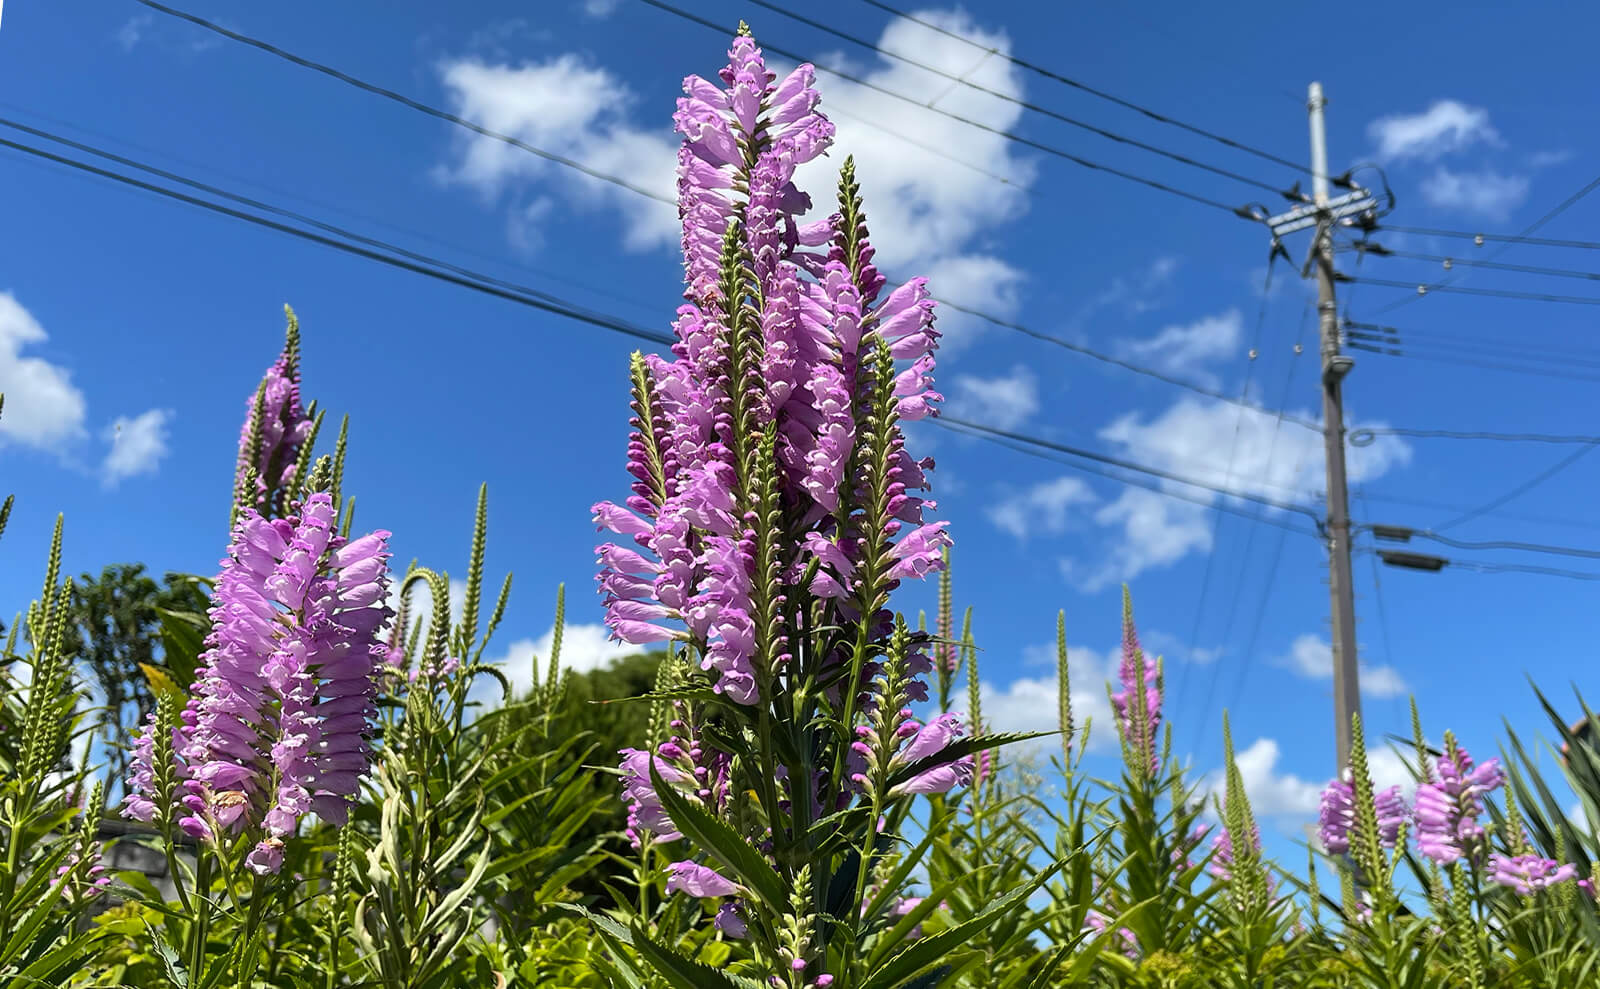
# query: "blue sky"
121 309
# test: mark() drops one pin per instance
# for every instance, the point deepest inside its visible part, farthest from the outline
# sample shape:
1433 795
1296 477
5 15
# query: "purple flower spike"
1337 816
279 720
1527 874
1447 810
276 426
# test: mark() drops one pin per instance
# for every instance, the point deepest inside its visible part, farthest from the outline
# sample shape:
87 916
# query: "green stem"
200 928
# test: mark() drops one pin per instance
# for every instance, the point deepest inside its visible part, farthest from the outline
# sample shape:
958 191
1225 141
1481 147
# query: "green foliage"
116 632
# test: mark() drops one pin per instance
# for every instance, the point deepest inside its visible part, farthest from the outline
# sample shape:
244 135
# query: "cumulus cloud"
569 107
1200 439
1030 703
1484 193
1273 792
132 31
1043 508
1196 437
1155 531
1311 656
43 409
929 211
583 648
137 446
1444 127
1005 401
1183 347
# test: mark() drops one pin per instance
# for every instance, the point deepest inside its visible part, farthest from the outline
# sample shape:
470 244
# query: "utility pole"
1322 213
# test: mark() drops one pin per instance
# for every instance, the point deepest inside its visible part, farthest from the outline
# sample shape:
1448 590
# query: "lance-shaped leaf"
933 951
722 842
963 747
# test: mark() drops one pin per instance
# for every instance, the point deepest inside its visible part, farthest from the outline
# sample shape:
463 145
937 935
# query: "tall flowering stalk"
1137 701
278 431
278 722
1448 808
775 507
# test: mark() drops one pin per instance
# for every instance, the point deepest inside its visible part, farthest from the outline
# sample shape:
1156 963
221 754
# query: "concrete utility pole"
1322 213
1346 675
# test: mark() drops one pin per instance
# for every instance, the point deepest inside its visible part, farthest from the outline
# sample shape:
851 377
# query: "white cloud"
1199 439
1272 793
927 211
137 446
1004 402
1133 294
974 281
599 9
1156 531
1485 193
583 648
1549 159
1196 437
1444 127
132 31
43 409
1172 646
1181 347
571 108
1042 508
1030 703
1311 656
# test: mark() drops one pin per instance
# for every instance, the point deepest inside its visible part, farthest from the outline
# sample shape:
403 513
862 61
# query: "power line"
515 287
1239 211
1077 348
477 128
1493 365
1522 568
1378 333
1510 242
1433 535
485 284
1422 289
1026 105
1363 437
1107 459
523 295
279 211
988 436
1519 490
1092 91
1377 597
1582 245
1512 516
1450 261
404 100
1250 534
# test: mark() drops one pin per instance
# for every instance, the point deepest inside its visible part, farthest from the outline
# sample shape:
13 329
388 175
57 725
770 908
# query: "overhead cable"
1091 90
1008 98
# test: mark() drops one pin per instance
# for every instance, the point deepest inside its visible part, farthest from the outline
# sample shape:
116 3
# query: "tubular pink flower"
279 720
1447 809
698 880
1527 874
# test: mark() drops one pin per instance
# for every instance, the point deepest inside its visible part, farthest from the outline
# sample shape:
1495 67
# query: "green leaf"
183 635
964 747
934 950
722 842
